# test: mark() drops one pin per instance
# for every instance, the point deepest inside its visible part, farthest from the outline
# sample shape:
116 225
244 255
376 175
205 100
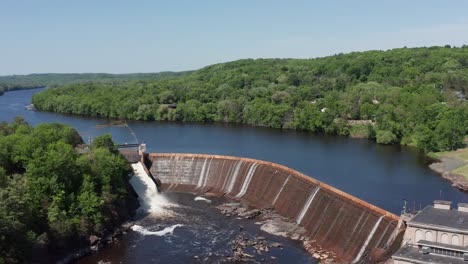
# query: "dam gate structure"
335 220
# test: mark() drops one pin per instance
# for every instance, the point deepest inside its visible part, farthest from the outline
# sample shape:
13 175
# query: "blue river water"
381 175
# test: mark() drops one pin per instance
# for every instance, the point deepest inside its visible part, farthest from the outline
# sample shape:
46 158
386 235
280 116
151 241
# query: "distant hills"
14 82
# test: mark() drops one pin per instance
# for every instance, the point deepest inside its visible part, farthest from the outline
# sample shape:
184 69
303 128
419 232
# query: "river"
379 174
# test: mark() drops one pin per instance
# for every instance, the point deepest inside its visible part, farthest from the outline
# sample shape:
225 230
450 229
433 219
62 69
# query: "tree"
58 217
385 137
47 188
425 138
308 117
450 130
105 141
90 206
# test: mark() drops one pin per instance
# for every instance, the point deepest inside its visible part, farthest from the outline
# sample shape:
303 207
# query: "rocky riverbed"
203 235
274 224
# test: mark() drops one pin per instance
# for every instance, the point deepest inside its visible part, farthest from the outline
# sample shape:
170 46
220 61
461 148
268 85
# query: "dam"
338 222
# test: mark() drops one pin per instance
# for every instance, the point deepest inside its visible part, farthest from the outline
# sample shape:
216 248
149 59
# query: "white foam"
234 177
199 198
150 199
207 173
247 180
307 205
281 190
166 231
202 174
371 235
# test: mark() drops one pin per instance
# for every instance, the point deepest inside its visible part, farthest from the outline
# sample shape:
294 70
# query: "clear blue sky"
39 36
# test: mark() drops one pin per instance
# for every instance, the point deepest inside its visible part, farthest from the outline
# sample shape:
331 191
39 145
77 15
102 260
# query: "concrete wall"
414 234
337 221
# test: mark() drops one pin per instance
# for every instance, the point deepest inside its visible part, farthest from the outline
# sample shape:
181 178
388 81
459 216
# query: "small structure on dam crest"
437 234
334 220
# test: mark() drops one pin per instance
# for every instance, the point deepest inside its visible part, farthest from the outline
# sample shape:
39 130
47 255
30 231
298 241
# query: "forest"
17 82
410 96
51 194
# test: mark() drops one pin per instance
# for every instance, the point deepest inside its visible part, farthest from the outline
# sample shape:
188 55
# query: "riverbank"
109 234
95 244
453 166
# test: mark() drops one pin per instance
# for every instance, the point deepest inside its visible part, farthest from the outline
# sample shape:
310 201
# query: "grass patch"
463 171
437 155
459 154
359 131
464 155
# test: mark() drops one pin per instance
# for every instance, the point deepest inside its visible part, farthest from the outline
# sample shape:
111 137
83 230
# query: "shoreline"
96 245
109 234
449 165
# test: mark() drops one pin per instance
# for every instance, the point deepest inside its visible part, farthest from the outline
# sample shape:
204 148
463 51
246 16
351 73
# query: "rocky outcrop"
445 166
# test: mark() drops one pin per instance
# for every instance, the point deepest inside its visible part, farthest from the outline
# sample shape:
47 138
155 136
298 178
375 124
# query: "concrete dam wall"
336 220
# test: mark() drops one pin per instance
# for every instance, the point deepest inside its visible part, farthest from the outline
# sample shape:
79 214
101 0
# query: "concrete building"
437 234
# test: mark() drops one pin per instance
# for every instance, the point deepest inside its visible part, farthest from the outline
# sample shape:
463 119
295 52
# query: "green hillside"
15 82
410 96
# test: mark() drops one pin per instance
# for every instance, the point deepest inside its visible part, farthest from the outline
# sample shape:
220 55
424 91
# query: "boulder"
93 240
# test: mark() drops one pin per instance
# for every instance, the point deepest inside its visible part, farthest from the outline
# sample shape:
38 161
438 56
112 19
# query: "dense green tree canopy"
410 96
46 187
16 82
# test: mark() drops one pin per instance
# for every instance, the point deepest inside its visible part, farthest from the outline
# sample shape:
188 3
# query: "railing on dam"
337 221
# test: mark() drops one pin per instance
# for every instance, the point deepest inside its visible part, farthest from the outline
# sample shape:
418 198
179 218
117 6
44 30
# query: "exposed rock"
277 245
93 240
444 168
250 214
43 239
232 209
271 223
281 226
75 255
40 252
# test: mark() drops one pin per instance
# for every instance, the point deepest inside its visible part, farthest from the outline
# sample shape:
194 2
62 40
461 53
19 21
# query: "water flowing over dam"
150 199
334 219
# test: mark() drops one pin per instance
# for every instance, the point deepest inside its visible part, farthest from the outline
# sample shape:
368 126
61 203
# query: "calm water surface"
381 175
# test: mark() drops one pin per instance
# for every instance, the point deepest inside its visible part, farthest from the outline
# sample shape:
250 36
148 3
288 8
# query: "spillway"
335 220
151 200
